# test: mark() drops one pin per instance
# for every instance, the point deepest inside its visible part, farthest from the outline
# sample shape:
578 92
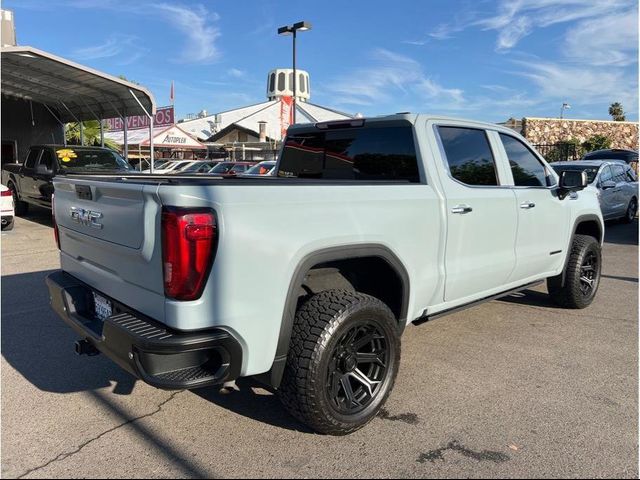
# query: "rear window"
591 171
370 153
84 160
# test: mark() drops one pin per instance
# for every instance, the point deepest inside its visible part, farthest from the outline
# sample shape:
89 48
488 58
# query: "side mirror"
607 185
43 170
573 180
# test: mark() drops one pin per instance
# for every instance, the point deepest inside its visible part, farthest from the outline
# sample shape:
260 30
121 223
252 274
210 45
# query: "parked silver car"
616 183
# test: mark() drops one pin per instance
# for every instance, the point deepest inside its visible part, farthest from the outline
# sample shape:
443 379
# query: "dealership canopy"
75 92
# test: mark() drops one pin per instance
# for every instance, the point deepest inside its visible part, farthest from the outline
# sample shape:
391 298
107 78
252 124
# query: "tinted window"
272 82
526 168
469 155
47 159
618 174
370 153
31 159
606 175
301 85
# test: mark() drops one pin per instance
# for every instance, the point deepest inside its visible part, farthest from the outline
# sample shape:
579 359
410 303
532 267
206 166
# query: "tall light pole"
564 106
291 30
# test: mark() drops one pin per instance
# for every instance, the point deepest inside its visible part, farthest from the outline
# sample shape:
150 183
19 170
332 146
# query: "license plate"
103 307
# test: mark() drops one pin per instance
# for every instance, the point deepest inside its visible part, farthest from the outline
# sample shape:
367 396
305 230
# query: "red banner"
286 114
163 118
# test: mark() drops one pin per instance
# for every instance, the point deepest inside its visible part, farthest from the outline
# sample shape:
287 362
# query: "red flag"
171 98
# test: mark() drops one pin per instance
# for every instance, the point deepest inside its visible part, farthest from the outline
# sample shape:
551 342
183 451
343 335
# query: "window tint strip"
469 156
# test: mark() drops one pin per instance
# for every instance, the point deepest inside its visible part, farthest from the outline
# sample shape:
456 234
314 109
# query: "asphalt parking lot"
512 388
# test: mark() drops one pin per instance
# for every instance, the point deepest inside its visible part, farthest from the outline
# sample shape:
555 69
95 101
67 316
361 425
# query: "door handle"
462 209
527 205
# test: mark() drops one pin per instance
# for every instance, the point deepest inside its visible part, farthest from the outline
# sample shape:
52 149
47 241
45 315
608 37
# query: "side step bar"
426 317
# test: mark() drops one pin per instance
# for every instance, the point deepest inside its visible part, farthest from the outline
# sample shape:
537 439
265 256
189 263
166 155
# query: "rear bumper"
159 356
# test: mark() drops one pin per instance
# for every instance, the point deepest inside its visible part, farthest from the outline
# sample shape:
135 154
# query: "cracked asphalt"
512 388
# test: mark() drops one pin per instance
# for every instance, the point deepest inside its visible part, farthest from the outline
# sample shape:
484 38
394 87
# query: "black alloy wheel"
357 369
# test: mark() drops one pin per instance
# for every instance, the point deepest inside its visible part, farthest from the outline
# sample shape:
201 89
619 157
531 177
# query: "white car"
6 208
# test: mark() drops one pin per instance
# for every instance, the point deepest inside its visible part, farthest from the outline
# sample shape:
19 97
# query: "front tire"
581 276
20 208
342 363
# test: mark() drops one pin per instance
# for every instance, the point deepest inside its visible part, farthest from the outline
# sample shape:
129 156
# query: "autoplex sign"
163 118
175 137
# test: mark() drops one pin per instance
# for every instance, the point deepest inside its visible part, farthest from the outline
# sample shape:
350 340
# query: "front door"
543 218
481 215
608 193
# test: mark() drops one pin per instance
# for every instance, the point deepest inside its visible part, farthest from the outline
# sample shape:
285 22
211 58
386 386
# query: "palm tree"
91 134
617 112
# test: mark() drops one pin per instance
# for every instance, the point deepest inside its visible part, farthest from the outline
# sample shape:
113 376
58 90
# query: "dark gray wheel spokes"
631 211
358 368
589 274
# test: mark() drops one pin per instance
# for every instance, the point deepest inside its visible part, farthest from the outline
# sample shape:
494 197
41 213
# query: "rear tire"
581 275
632 209
342 362
20 208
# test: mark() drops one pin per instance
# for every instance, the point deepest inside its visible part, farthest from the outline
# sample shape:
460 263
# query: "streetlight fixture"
291 30
564 107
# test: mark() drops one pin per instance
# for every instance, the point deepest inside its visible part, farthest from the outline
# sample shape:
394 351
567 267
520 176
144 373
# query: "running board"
426 318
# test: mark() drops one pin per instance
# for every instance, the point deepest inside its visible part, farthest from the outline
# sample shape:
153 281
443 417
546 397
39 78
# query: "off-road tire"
8 226
321 324
571 295
20 208
632 209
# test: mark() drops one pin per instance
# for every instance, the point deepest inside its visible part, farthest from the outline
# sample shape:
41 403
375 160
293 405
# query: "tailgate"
110 238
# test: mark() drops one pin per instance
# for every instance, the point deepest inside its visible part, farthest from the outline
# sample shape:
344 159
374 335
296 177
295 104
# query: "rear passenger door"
481 215
543 218
622 191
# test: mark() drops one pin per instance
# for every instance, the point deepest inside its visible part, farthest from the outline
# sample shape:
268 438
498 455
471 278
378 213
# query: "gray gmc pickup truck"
308 279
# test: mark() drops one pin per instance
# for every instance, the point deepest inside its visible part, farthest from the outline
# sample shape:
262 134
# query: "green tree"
91 134
597 142
617 112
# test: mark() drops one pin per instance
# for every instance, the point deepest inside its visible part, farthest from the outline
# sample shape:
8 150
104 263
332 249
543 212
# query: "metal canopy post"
126 141
101 134
151 166
151 160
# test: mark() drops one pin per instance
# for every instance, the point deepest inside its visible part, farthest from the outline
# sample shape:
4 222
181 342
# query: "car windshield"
591 170
222 168
85 160
261 169
160 165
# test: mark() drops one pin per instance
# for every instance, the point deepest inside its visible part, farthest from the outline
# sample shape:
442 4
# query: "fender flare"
343 252
581 218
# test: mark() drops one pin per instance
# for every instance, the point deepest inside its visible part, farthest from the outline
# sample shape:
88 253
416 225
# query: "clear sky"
487 60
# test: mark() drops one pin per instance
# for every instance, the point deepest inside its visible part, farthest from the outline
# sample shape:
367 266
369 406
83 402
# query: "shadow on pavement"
253 400
530 297
621 233
39 215
39 346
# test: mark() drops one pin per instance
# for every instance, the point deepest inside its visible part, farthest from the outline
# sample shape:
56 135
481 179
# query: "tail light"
6 193
188 246
56 232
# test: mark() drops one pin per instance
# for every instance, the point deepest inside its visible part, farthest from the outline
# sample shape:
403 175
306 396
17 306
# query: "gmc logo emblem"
88 218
